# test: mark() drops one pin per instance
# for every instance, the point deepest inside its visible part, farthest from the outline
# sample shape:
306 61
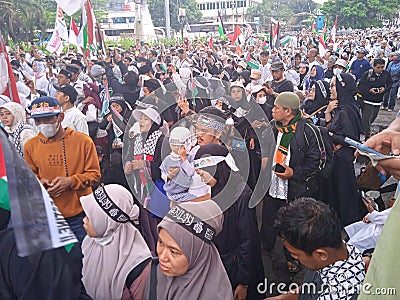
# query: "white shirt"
279 186
76 120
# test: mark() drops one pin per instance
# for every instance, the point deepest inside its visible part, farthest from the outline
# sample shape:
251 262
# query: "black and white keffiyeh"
15 137
149 146
343 279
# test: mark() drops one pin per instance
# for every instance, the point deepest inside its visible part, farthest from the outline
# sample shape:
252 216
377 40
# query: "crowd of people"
177 168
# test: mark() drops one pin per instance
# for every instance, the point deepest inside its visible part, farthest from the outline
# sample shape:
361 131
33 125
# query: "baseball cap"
278 65
45 107
68 90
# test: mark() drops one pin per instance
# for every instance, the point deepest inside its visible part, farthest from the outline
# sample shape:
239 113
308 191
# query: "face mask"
262 100
337 71
48 130
239 70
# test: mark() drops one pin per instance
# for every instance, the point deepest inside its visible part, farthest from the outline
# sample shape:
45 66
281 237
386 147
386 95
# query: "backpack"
327 154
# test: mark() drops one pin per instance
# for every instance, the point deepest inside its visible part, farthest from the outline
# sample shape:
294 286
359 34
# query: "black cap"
68 90
72 69
66 73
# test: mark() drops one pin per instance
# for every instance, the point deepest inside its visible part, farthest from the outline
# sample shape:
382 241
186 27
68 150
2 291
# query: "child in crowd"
177 169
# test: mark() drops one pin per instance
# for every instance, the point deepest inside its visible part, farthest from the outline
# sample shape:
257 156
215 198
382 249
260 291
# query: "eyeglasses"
312 90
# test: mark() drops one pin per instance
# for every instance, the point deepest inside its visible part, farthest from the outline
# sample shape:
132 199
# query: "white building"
133 21
231 11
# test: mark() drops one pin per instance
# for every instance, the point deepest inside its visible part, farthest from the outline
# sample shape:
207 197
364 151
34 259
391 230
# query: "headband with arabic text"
191 223
209 161
109 207
210 123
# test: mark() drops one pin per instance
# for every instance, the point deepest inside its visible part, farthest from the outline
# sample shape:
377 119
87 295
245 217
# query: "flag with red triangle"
314 27
321 45
236 34
86 37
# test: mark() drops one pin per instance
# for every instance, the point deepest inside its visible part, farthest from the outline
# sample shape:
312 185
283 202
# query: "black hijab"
322 96
346 88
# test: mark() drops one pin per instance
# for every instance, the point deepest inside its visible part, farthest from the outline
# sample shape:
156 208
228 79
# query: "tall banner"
61 26
70 6
37 222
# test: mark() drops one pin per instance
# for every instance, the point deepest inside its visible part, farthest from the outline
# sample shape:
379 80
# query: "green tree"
156 8
356 14
20 18
279 9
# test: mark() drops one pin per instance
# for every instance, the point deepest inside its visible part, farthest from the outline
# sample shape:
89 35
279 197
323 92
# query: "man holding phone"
372 86
298 158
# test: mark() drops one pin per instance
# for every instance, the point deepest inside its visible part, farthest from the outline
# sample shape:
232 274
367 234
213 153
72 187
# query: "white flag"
60 24
70 6
55 44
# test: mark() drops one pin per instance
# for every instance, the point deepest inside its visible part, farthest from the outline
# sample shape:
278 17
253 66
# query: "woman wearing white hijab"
13 117
41 82
115 254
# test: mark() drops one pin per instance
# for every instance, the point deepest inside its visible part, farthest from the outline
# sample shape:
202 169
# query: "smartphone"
362 147
278 168
370 197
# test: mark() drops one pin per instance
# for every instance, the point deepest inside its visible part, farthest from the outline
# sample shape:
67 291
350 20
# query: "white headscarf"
18 112
118 248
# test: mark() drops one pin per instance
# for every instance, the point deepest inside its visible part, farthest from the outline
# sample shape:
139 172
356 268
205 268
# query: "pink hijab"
118 248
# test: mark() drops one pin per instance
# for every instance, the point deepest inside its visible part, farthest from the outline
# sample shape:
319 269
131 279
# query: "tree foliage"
279 9
156 8
360 14
20 18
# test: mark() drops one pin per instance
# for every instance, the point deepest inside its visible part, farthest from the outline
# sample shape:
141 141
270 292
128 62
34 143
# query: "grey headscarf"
206 277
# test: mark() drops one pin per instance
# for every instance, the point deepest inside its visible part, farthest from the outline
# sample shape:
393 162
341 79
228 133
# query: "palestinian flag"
286 40
221 28
274 35
86 35
314 27
37 222
252 63
4 199
118 122
236 34
321 45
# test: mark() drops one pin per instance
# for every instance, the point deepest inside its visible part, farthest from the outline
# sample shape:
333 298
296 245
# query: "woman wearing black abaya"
238 243
243 146
317 101
344 120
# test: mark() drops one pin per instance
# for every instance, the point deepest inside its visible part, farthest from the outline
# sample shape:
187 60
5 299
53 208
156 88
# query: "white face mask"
48 130
337 71
262 100
239 70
